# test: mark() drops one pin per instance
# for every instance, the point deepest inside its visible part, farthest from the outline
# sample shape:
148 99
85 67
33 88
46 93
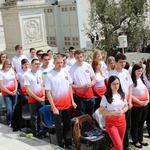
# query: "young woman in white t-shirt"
99 87
140 100
8 85
114 105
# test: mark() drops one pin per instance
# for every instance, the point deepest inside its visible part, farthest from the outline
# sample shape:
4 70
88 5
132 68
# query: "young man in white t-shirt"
32 54
83 78
59 92
126 84
16 60
71 59
34 86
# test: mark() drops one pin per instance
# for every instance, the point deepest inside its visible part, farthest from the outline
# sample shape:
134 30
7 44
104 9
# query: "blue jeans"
85 106
10 102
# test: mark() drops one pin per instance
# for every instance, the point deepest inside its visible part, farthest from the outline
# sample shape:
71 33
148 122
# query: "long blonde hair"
5 63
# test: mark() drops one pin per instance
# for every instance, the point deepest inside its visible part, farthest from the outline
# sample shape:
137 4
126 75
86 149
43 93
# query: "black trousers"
138 117
35 119
148 119
128 126
65 131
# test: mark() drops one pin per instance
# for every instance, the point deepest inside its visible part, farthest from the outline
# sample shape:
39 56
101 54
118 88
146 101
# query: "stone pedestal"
24 24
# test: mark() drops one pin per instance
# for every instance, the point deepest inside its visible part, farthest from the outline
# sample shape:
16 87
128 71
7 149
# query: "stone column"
24 24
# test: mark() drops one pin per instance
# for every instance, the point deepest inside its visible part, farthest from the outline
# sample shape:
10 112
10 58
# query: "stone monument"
24 24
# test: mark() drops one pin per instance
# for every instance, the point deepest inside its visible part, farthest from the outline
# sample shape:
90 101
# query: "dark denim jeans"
85 106
10 102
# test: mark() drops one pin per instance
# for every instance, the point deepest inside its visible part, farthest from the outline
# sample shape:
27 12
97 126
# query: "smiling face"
138 73
121 64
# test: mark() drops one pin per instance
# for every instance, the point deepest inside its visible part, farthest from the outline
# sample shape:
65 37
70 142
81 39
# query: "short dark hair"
33 60
120 56
31 49
44 55
49 51
70 48
78 52
39 51
18 47
127 66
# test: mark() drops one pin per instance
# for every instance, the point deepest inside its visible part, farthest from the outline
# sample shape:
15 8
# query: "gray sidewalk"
12 141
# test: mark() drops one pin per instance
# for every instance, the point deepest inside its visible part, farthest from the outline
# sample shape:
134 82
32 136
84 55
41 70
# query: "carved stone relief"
32 31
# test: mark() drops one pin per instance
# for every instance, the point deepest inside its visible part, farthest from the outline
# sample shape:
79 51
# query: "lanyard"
36 77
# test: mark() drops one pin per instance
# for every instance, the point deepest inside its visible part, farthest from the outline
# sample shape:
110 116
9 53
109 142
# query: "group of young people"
68 83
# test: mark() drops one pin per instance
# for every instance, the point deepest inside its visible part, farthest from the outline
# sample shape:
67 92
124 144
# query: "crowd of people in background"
74 87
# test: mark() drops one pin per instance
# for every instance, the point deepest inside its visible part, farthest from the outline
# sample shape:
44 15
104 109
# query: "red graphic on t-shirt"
87 71
12 74
127 78
66 78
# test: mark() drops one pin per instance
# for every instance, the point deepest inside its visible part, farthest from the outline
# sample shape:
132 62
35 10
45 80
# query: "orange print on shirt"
127 78
87 71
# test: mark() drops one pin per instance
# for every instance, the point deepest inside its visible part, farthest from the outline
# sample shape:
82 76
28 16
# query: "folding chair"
85 124
47 118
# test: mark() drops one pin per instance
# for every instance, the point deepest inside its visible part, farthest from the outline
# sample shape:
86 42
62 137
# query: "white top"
34 80
100 80
44 71
103 65
30 59
125 80
20 77
16 62
147 82
140 90
51 63
70 61
117 103
8 79
59 85
82 75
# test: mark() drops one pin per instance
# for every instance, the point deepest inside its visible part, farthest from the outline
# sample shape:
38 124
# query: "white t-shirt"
59 85
16 62
82 75
20 77
51 63
140 90
117 104
103 66
34 80
125 80
44 71
8 79
30 59
100 80
147 82
70 61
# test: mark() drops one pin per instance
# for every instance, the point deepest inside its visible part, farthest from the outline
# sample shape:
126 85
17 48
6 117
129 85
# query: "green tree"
108 17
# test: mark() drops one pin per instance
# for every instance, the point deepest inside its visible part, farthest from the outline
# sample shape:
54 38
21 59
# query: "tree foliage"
108 17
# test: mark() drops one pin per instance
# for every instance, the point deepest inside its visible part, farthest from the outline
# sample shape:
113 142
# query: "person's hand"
55 111
74 105
87 86
146 103
42 99
130 105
